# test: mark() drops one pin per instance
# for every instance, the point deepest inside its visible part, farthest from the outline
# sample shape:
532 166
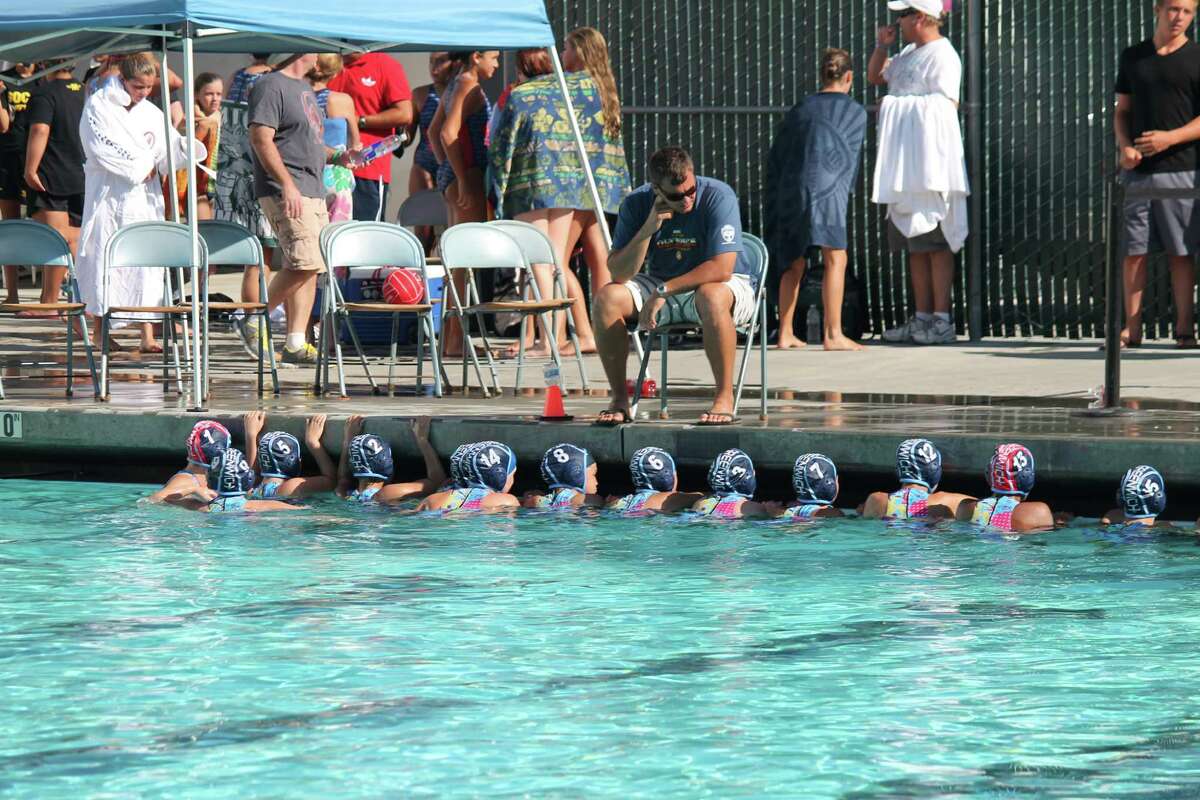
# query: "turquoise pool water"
150 652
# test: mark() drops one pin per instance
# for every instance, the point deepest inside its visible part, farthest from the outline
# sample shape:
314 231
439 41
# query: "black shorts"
70 203
12 170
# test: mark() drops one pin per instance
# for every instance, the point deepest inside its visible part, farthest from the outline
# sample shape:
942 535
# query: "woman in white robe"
125 147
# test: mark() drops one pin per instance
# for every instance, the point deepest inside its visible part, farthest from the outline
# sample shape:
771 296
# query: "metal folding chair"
538 250
475 245
424 208
363 244
756 253
151 245
231 245
28 243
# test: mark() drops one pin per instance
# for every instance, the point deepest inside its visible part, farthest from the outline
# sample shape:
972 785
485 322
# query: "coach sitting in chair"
677 258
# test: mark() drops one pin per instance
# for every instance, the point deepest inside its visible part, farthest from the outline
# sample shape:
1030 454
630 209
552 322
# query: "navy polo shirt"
712 227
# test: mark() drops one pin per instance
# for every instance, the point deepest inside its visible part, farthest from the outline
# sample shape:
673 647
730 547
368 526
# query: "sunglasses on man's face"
676 197
908 12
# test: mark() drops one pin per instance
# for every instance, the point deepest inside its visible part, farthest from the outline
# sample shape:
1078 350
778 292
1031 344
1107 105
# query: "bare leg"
1134 285
789 293
419 181
250 278
614 305
10 209
579 314
148 344
833 290
942 279
1183 289
556 224
920 269
595 253
452 332
714 303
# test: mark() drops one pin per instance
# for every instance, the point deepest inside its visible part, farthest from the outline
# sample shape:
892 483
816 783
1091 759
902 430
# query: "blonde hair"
139 65
328 65
589 43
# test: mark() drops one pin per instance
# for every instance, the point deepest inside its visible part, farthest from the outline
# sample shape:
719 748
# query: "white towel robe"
921 169
121 147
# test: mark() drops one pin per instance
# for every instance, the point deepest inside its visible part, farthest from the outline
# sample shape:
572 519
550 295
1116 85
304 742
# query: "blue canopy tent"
75 28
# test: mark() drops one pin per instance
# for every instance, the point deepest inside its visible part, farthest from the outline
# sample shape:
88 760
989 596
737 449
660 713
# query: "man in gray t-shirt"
286 135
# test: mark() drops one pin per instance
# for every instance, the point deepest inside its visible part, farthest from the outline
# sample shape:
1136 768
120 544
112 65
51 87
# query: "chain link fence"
717 76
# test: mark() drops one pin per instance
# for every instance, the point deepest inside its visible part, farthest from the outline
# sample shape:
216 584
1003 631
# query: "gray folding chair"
166 246
28 243
539 250
368 244
427 207
231 245
475 245
756 253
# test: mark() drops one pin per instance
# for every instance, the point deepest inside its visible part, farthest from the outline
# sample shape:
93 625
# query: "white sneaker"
905 333
940 331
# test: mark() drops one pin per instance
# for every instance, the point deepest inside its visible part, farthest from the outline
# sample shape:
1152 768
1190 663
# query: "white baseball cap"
933 8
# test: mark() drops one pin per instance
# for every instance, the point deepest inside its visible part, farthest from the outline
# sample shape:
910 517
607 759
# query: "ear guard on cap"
457 465
1142 493
815 479
490 464
230 475
370 457
565 466
733 473
652 468
279 455
918 461
208 439
1011 470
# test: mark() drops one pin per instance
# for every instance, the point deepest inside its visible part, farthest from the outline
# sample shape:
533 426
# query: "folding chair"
28 243
475 245
756 253
424 208
231 245
151 245
364 244
538 250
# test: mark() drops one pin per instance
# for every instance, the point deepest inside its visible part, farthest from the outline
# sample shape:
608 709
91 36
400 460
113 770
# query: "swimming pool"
152 652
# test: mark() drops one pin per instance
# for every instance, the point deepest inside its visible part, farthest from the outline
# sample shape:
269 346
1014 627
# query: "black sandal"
624 418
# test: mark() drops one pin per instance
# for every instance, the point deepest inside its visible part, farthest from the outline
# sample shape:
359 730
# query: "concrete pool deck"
855 407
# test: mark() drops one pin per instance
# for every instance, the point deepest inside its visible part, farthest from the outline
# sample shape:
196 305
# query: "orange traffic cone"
553 410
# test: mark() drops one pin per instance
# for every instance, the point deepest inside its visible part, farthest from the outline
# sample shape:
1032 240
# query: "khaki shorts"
680 309
299 238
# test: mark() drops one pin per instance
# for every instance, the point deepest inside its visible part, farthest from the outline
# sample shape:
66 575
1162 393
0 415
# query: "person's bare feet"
721 413
842 342
149 346
531 351
789 342
587 347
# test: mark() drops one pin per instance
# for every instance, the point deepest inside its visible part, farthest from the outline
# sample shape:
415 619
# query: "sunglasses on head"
675 197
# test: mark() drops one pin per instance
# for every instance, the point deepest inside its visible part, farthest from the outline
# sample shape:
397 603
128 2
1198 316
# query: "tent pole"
597 204
199 391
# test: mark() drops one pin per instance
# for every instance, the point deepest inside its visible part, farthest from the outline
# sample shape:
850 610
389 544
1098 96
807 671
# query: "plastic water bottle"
374 151
813 324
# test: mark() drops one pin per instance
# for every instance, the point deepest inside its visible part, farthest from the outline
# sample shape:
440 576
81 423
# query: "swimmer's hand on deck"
253 422
314 429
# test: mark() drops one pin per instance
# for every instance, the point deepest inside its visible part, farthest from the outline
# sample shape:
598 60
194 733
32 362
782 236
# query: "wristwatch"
661 289
362 122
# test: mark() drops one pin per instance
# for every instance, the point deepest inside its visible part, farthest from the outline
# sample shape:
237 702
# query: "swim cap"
279 455
207 439
370 457
457 463
814 477
732 473
1143 493
230 474
918 461
565 466
652 468
489 464
1010 471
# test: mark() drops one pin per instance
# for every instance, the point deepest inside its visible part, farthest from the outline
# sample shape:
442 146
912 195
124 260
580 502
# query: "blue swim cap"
458 460
652 468
565 466
919 461
370 457
815 479
1011 470
279 455
1143 493
732 473
489 464
207 439
230 475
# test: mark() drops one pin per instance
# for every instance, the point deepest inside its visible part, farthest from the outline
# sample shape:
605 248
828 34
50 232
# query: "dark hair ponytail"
835 63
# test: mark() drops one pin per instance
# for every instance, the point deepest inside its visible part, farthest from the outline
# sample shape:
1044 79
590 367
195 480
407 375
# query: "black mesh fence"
717 75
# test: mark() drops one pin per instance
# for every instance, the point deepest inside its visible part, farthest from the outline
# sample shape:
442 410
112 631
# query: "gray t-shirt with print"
289 106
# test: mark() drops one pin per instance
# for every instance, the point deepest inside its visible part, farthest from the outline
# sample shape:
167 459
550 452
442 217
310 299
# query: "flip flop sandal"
624 419
727 419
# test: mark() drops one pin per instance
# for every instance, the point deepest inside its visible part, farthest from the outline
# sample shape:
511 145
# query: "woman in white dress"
125 146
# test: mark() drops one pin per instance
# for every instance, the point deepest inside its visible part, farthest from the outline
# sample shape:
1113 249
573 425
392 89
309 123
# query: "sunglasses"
908 12
675 197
